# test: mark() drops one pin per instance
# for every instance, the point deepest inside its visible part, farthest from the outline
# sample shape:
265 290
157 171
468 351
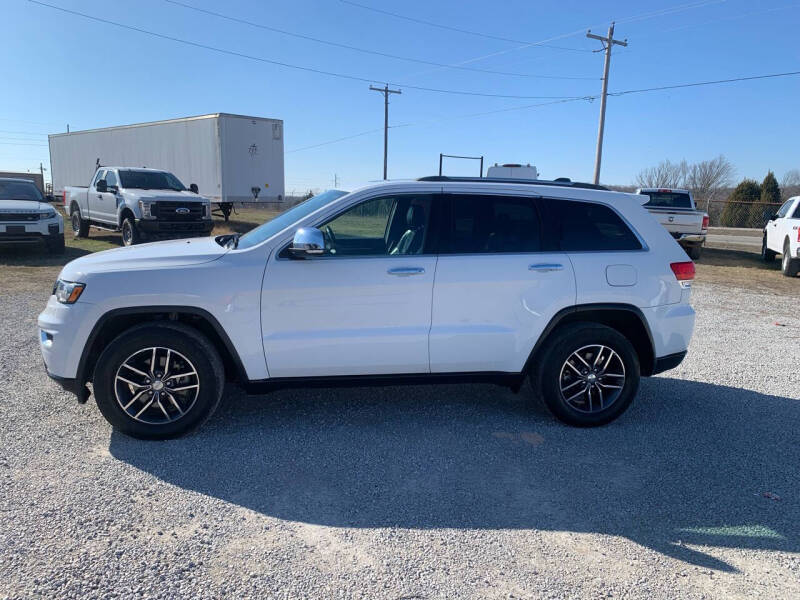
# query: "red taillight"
684 271
798 234
64 194
704 226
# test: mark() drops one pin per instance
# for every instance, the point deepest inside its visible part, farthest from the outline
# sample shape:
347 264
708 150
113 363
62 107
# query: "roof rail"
560 182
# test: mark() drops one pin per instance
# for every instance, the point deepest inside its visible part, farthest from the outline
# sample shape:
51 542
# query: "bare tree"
790 184
705 179
664 175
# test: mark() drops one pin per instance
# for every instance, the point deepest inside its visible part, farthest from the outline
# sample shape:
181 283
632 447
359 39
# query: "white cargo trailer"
231 158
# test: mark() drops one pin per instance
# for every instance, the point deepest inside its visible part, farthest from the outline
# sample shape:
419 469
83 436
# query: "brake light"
704 226
798 234
684 271
64 195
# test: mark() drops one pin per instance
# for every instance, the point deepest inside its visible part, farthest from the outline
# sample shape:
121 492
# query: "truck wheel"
56 246
158 381
130 233
789 266
767 255
588 375
79 227
694 251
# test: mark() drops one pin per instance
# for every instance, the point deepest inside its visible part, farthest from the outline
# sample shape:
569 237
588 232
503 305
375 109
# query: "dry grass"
743 269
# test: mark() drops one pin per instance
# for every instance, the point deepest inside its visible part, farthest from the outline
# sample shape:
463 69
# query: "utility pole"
385 91
608 42
335 181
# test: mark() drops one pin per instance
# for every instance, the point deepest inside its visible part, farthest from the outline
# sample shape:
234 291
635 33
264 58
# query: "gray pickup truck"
141 203
676 211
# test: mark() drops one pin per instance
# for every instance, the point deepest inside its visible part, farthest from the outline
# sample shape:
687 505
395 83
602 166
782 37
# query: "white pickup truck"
782 236
676 211
141 203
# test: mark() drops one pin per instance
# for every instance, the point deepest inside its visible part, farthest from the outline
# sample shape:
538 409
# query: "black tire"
130 233
767 255
56 246
551 372
789 266
190 350
694 251
80 227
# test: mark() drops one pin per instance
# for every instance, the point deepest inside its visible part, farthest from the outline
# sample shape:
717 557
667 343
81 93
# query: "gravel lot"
418 492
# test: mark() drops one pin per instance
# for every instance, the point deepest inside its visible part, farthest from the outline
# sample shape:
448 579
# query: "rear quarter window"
586 226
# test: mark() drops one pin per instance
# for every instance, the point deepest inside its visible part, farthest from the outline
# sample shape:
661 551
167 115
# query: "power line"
280 63
541 104
367 50
458 30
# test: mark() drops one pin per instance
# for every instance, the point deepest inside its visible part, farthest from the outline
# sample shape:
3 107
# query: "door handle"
545 267
100 196
406 271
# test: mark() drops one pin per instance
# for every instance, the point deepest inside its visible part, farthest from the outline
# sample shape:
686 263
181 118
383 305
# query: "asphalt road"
418 492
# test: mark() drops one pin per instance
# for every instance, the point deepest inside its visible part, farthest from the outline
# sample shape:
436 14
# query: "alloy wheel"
592 378
156 385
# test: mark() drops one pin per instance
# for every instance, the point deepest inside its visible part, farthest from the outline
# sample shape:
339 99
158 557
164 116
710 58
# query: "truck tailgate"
678 221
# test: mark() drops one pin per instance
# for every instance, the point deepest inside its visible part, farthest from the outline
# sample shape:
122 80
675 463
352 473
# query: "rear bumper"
690 238
156 227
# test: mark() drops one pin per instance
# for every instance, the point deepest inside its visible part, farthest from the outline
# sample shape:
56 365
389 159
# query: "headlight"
68 292
47 214
146 207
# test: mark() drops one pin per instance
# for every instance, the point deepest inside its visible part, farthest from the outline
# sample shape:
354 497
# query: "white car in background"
782 236
27 218
441 279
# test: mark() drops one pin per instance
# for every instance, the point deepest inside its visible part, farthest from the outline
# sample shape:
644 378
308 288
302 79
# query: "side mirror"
308 241
774 217
101 186
193 188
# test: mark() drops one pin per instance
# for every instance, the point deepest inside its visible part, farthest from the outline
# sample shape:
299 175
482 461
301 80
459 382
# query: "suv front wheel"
588 374
158 381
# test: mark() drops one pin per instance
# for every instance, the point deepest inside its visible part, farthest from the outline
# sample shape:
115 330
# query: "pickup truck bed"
675 210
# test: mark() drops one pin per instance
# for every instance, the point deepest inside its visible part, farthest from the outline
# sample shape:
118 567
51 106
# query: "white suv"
26 217
440 279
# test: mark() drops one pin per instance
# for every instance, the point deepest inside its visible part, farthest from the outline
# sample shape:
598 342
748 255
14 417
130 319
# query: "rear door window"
484 224
668 200
587 227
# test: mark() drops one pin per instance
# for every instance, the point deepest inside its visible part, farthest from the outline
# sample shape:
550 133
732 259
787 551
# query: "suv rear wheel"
588 374
158 381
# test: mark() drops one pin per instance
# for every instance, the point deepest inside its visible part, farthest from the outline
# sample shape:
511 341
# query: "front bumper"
665 363
11 233
158 227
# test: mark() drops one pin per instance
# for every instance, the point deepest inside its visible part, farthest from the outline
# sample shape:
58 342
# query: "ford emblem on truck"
182 210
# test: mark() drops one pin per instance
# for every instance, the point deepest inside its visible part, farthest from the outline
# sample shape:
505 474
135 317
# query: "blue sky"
59 68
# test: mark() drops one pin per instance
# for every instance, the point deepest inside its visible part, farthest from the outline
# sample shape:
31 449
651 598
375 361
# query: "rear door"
496 286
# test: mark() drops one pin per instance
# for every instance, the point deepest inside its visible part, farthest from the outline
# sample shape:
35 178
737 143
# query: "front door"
362 308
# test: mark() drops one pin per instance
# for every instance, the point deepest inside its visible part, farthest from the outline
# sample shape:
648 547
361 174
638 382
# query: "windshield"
150 180
19 190
669 199
285 219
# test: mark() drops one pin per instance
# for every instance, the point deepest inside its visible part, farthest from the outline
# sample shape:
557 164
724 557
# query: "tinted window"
111 178
19 190
581 226
492 224
387 225
668 200
150 180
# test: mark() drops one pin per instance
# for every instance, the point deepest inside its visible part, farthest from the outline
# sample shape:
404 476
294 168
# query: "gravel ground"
418 492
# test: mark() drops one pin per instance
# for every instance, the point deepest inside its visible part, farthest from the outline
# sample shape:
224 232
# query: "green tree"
740 204
769 202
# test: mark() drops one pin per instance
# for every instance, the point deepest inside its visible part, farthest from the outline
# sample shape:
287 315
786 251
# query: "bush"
737 211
